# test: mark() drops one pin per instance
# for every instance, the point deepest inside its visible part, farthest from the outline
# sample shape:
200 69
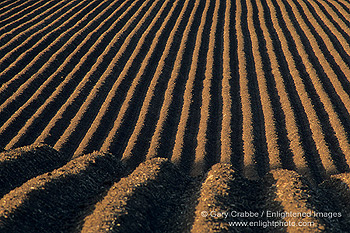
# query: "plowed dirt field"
174 116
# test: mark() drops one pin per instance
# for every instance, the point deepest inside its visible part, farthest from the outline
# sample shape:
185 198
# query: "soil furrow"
51 84
163 139
147 192
340 92
237 158
185 141
174 115
140 140
328 37
345 5
215 70
107 114
40 52
338 192
341 13
82 122
254 141
208 147
22 164
261 157
27 21
39 79
65 194
15 57
35 24
144 86
13 82
337 31
5 81
305 114
289 140
61 120
23 9
8 4
331 126
222 189
227 115
247 129
84 56
9 107
258 50
117 43
306 71
285 131
306 207
140 68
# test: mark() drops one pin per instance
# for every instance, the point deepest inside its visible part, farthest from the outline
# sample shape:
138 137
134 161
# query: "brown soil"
19 165
57 201
96 193
206 105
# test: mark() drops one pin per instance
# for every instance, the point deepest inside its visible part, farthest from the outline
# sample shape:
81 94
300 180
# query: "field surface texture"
174 116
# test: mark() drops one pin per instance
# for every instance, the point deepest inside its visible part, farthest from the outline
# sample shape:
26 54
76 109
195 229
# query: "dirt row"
97 192
259 84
